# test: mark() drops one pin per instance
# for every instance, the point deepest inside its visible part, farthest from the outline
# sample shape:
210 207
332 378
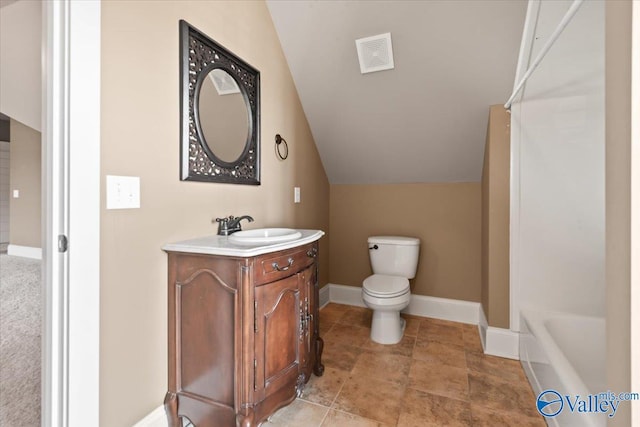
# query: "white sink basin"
265 235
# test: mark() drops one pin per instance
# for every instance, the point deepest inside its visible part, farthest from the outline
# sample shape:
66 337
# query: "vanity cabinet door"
277 336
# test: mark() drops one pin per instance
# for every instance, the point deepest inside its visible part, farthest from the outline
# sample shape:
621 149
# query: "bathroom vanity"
243 328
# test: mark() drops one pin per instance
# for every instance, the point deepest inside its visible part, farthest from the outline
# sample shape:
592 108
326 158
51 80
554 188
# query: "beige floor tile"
429 410
383 366
494 393
340 356
434 321
298 414
323 390
403 348
342 419
484 417
372 398
347 335
440 379
332 312
325 327
439 352
507 369
442 331
357 316
412 325
471 338
436 376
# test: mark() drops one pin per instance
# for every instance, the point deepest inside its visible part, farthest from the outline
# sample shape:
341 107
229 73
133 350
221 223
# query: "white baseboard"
482 329
24 251
498 341
444 308
324 296
156 418
495 341
503 343
348 295
420 305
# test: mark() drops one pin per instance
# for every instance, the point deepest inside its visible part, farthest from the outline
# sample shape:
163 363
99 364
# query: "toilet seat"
384 286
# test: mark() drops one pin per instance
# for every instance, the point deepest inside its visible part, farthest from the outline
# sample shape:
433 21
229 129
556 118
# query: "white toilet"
394 260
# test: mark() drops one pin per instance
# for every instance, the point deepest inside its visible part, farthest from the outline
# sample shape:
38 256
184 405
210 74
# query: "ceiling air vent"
375 53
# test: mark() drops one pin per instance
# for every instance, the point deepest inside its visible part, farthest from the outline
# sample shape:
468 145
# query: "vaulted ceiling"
425 120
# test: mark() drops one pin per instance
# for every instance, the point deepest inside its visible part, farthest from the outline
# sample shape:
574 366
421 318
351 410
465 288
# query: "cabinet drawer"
277 265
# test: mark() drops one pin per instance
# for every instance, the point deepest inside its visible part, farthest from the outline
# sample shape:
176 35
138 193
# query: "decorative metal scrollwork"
300 385
198 56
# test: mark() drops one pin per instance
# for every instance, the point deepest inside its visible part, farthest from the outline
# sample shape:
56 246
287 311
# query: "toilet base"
387 327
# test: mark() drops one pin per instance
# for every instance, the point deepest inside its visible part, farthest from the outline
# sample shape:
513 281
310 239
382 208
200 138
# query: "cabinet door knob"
285 268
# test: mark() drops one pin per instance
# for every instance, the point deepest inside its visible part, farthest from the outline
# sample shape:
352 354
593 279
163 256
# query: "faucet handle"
223 225
231 224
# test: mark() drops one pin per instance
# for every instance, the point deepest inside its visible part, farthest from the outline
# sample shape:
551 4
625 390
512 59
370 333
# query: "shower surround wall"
558 286
557 196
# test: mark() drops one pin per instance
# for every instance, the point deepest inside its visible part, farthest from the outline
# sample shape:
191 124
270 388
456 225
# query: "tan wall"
495 219
446 218
21 61
140 137
25 215
618 202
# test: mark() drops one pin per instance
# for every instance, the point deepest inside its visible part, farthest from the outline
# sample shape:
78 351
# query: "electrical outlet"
296 194
16 194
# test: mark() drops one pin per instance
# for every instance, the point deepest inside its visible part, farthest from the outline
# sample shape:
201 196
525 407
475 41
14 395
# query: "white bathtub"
566 353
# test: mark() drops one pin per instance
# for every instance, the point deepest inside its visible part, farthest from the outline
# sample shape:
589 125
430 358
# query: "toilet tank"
394 256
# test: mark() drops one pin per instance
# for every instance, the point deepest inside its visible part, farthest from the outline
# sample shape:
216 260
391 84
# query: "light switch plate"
123 192
296 194
16 194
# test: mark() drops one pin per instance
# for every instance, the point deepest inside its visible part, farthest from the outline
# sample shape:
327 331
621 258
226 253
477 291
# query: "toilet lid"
394 240
383 286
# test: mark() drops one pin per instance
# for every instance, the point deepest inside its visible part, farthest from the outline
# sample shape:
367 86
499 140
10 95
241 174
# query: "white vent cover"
375 53
224 83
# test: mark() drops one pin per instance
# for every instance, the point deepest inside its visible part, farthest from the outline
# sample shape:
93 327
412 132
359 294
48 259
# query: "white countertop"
220 245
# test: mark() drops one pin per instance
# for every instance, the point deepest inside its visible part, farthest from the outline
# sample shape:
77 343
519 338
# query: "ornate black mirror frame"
198 56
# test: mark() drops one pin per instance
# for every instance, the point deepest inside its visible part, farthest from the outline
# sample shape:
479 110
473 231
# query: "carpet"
20 327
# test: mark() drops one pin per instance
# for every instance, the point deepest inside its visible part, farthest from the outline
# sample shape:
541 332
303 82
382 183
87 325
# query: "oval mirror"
219 113
223 116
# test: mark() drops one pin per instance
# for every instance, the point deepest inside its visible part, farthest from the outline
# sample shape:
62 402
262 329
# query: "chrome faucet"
230 225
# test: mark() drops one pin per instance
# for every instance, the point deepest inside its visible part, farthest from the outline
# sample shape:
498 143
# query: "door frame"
71 207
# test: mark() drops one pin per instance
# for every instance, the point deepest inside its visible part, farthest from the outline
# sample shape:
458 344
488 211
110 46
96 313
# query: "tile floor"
436 376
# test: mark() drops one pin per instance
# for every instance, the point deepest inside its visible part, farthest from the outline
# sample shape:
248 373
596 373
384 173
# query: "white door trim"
71 206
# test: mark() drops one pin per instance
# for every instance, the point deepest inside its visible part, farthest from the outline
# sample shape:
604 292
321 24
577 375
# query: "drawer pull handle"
285 268
312 253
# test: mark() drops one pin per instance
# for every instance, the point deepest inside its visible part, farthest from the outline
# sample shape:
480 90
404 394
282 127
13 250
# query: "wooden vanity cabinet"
243 335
